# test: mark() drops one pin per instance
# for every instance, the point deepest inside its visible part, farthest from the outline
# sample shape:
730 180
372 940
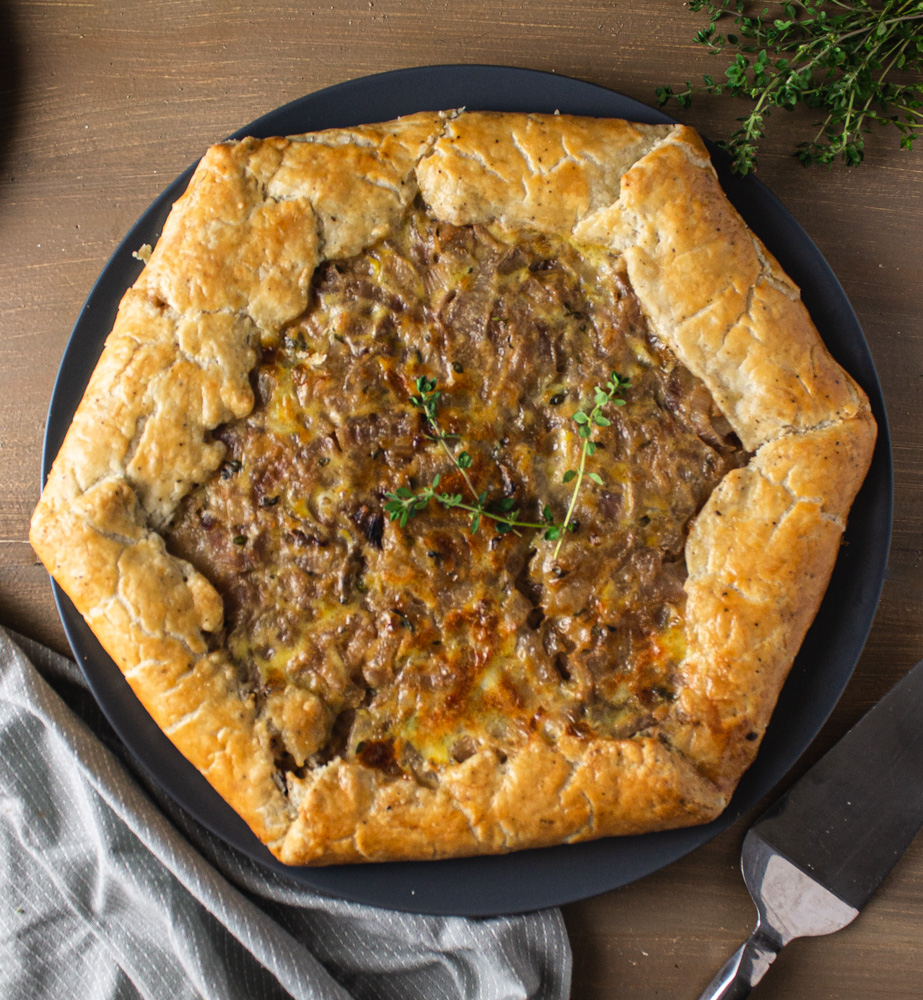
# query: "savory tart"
458 484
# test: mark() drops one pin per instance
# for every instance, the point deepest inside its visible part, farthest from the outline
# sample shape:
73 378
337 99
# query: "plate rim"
376 884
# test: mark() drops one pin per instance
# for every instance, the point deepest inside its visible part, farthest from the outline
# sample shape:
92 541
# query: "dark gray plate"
530 879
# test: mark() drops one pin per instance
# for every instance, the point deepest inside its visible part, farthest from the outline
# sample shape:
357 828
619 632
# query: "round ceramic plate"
530 879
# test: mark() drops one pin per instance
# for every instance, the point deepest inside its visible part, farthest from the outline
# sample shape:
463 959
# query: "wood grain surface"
102 103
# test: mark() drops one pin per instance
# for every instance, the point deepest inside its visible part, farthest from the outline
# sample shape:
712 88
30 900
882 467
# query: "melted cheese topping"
411 648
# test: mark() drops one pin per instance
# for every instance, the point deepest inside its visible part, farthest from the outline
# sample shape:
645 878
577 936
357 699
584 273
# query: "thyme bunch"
858 64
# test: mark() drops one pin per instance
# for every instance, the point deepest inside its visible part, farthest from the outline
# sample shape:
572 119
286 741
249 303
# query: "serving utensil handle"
744 969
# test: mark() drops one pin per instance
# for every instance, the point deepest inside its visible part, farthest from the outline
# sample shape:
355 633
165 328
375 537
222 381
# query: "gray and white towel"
110 890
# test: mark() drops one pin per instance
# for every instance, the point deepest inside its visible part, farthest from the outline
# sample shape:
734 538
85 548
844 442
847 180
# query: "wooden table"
101 104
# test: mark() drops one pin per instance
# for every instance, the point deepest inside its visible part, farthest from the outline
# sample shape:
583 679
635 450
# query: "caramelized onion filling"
412 648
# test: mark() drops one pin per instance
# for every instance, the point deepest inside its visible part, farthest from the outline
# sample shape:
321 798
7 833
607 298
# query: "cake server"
814 859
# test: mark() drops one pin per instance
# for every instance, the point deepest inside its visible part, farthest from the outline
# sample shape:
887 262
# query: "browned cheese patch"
414 647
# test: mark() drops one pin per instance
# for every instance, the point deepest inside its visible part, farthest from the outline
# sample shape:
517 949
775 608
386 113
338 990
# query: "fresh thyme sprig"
839 57
585 423
403 503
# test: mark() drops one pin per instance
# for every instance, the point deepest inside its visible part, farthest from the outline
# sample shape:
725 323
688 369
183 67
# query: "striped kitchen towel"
110 890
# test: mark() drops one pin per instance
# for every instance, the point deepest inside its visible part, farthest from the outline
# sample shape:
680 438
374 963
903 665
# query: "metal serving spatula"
813 860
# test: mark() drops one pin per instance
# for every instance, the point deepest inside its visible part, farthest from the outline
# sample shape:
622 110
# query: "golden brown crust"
235 263
577 790
540 171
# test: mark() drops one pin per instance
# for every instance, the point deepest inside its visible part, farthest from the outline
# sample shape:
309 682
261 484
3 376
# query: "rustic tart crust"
235 262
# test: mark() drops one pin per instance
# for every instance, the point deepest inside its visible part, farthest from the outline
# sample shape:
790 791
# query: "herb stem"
483 512
897 52
440 437
846 129
479 511
586 422
573 499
